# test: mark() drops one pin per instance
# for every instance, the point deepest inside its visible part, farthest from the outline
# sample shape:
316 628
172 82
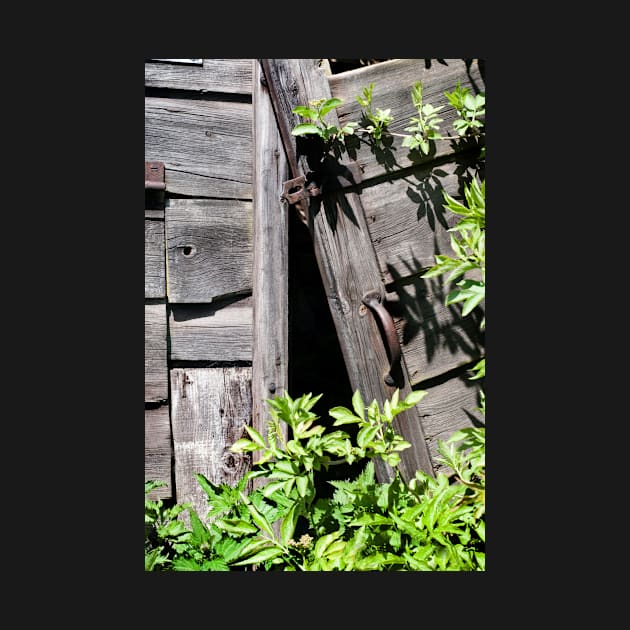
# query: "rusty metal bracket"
154 176
300 191
295 190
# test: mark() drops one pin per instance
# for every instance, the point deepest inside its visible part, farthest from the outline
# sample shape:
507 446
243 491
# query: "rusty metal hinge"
294 190
154 176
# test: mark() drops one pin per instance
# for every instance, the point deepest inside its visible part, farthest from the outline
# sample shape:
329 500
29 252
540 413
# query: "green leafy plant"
315 113
426 124
470 108
425 525
468 242
379 119
425 127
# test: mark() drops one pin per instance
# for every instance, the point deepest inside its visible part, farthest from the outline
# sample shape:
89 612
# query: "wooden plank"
393 81
206 146
348 266
155 367
154 260
448 407
435 338
230 76
210 408
271 264
158 450
209 249
406 216
217 332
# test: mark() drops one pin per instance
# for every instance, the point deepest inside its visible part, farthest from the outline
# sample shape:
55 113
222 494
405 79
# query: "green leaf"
371 519
357 404
342 415
366 435
306 112
471 302
236 526
287 528
261 556
328 105
259 519
414 397
243 445
324 542
305 128
302 483
185 564
255 435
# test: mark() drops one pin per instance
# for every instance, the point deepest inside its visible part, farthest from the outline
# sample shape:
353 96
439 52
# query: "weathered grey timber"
209 410
211 332
158 450
271 264
155 367
228 76
209 249
154 259
348 267
205 145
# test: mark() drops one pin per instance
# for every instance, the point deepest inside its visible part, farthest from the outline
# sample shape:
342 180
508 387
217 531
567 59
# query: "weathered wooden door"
376 225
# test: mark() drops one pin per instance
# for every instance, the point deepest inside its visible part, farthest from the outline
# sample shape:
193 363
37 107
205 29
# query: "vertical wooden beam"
270 270
347 263
210 408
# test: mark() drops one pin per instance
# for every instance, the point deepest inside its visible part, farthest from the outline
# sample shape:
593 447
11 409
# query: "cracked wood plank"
206 146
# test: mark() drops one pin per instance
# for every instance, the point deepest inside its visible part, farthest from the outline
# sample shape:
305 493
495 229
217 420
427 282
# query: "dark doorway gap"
316 363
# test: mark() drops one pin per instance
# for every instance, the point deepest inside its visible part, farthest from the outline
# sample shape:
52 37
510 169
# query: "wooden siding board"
393 81
271 264
206 146
210 408
407 220
155 363
449 407
158 450
154 260
209 249
435 338
230 76
217 332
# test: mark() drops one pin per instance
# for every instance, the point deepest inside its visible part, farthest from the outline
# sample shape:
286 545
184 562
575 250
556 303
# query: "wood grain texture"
348 266
155 367
209 249
271 264
154 259
206 146
448 407
230 76
158 450
435 338
209 410
217 332
393 81
406 216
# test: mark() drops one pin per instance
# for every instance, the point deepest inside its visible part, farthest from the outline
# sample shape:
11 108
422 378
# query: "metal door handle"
372 299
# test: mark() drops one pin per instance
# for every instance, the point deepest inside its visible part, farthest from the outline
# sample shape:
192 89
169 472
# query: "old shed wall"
198 273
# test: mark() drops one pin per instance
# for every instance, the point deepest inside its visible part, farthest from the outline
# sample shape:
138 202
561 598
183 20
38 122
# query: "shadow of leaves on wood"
427 193
333 194
416 306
